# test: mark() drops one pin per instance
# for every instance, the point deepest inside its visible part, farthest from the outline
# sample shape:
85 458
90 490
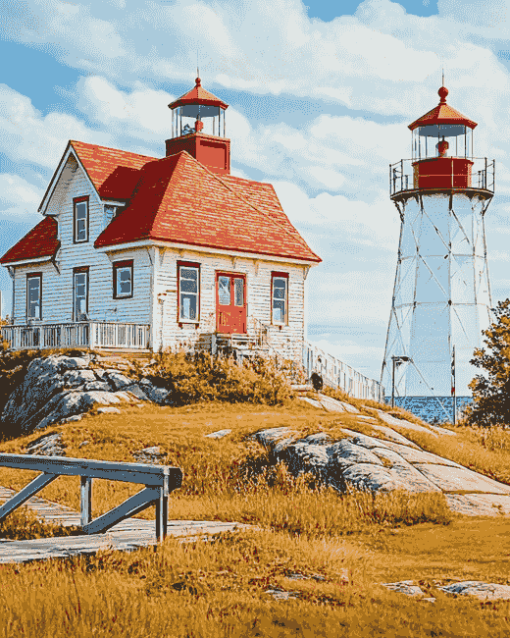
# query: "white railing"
338 374
87 334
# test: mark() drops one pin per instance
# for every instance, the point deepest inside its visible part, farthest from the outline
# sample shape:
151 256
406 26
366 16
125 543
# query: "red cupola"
442 146
198 127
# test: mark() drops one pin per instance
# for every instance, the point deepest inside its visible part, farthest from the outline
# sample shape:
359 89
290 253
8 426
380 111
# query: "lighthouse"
441 297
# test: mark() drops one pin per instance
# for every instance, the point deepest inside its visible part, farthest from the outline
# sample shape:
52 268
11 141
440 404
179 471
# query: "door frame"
232 274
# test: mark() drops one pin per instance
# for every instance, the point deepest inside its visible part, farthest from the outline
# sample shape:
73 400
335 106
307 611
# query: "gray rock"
83 444
455 479
160 396
108 410
137 391
74 378
47 445
479 504
72 419
150 455
280 594
65 405
218 435
484 591
117 380
405 587
95 386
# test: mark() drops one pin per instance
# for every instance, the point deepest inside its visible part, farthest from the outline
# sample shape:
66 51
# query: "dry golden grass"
24 524
199 589
219 589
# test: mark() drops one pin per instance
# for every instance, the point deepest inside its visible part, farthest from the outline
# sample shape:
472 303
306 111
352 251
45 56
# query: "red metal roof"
178 200
198 95
41 241
443 113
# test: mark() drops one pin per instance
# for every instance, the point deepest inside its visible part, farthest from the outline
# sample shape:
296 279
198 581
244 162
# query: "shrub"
200 376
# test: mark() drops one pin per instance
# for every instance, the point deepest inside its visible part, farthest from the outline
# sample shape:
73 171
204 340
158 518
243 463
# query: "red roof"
178 200
198 95
41 241
114 173
443 113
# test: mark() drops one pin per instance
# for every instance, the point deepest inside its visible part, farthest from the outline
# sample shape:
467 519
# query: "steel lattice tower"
441 298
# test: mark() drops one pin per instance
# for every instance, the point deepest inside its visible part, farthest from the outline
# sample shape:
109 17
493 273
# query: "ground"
330 553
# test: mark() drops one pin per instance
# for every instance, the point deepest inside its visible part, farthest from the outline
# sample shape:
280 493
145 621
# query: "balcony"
85 334
442 174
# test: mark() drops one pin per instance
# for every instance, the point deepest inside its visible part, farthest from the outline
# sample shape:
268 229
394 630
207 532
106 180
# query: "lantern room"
198 127
442 146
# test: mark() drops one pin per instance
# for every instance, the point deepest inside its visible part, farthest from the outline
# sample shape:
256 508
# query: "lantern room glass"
427 141
184 119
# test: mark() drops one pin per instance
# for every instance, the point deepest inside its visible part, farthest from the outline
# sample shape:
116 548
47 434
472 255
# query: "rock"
484 591
391 434
72 419
455 479
479 504
313 402
402 423
83 444
95 386
218 435
150 455
157 395
47 445
280 594
65 405
74 378
405 587
117 380
108 410
136 391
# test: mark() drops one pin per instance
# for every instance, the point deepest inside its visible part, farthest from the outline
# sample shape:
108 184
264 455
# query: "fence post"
86 500
162 511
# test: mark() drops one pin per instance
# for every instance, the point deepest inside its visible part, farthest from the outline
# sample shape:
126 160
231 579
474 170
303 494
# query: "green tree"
491 390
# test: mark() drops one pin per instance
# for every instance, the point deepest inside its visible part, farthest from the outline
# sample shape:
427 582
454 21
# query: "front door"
231 303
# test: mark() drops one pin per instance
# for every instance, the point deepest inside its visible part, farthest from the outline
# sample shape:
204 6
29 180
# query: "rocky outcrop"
60 388
384 464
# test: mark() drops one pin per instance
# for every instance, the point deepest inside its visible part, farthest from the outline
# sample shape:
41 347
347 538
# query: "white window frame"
85 220
280 277
180 292
38 305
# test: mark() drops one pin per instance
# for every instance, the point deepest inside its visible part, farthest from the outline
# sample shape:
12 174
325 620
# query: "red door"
231 303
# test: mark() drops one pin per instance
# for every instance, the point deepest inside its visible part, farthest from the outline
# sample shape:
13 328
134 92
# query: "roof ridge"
119 150
297 236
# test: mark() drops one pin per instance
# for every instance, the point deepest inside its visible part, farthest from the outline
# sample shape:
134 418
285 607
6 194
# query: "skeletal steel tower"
441 298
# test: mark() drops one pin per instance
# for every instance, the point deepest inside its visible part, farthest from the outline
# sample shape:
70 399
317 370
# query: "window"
34 296
189 291
279 294
81 293
81 220
123 279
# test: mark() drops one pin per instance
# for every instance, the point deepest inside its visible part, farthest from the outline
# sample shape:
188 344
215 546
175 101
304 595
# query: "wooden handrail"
159 481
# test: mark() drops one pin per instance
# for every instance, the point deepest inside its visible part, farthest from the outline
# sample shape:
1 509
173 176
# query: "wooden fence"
159 481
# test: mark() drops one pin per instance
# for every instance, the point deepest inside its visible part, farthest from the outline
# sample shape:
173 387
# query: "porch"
83 334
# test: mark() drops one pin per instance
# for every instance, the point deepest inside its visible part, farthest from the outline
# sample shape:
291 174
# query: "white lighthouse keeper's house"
137 252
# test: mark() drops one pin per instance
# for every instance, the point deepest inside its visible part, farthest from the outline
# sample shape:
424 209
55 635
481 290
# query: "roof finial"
198 81
443 91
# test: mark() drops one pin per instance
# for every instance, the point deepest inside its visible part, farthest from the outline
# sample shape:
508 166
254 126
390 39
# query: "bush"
200 376
13 366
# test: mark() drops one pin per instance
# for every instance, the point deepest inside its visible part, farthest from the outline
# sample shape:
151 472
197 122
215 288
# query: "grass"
198 589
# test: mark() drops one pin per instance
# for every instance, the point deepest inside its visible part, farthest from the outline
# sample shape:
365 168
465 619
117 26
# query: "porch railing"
88 334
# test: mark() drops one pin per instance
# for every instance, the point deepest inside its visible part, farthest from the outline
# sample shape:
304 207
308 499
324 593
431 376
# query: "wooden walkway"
128 535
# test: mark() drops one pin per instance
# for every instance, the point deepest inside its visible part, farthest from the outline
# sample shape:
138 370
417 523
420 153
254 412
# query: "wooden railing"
159 481
87 334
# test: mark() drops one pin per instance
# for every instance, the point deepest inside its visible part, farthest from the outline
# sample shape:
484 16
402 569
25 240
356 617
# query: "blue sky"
320 97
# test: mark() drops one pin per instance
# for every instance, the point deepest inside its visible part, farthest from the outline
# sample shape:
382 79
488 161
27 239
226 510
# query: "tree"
491 390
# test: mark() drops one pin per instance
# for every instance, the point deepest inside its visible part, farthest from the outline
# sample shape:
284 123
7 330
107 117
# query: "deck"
128 535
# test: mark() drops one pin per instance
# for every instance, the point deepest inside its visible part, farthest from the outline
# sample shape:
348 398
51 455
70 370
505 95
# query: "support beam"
132 506
26 493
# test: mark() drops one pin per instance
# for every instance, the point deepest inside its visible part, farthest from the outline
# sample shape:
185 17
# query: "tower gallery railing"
442 173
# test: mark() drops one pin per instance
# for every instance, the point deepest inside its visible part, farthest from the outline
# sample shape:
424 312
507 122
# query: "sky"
320 98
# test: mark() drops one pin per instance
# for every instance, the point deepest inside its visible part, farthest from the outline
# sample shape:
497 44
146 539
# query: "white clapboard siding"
287 340
57 287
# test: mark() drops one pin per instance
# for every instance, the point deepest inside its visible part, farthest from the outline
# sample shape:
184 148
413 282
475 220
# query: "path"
127 535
